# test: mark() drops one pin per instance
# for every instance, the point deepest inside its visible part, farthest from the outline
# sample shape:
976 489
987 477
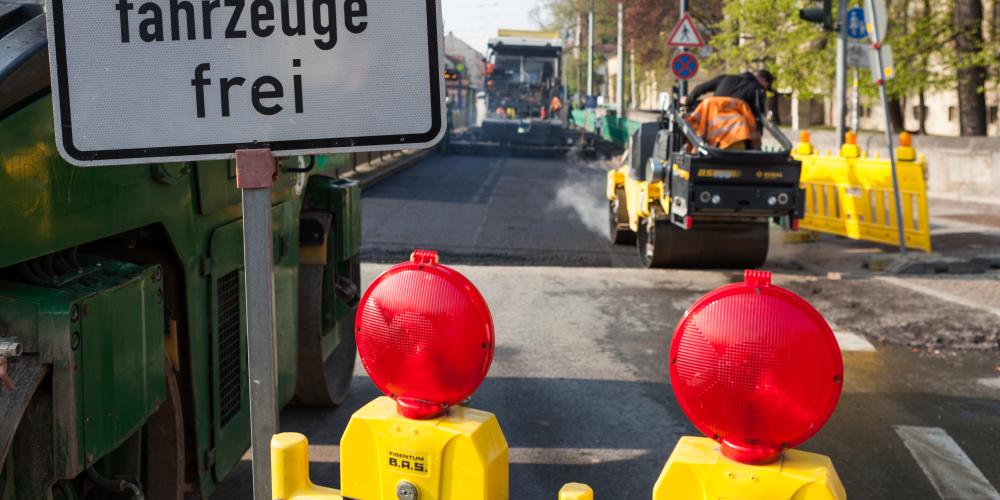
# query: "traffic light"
822 15
450 75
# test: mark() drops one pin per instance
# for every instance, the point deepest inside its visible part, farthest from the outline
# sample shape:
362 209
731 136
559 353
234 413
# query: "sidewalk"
966 242
375 171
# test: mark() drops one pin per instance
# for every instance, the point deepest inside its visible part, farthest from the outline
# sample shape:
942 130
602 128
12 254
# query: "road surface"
580 382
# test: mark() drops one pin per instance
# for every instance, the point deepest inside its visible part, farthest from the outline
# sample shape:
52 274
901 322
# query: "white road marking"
330 453
939 294
948 468
852 342
993 383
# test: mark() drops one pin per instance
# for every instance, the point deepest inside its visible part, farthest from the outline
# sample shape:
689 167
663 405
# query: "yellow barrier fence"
851 194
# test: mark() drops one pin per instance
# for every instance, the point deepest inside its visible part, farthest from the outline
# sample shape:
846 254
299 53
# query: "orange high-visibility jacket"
724 121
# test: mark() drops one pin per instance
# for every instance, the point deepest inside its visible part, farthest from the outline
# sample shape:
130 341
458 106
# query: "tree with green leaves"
938 45
755 34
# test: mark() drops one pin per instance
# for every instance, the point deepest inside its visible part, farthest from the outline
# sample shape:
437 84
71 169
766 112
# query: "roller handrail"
734 155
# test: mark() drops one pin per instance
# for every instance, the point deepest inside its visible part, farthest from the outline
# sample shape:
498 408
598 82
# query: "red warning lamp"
756 368
425 336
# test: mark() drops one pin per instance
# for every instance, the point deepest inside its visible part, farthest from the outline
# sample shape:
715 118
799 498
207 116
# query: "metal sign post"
857 56
876 27
255 173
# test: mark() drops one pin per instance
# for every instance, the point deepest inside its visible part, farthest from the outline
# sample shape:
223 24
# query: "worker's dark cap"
768 77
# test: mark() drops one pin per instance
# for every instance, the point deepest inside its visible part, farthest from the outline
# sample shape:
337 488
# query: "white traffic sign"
877 19
166 80
685 34
887 64
858 54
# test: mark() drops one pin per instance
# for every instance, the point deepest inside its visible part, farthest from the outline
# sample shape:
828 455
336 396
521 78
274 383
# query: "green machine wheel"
328 296
322 382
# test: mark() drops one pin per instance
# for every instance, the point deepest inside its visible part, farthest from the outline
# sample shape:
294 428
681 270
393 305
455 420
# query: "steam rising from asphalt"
582 192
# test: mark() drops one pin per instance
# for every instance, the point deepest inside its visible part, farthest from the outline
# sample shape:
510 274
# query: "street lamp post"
840 99
590 51
620 84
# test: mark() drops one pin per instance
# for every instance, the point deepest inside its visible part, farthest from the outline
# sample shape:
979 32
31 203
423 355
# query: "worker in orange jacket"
556 106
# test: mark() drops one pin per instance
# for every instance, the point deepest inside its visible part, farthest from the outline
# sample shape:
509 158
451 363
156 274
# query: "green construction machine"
122 310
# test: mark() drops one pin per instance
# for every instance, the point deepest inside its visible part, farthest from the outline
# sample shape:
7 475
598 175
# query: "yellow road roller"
688 204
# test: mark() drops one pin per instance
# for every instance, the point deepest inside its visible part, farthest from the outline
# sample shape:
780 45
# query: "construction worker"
751 88
732 116
555 107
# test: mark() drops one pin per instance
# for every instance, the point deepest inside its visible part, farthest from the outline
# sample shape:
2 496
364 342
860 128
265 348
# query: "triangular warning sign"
685 34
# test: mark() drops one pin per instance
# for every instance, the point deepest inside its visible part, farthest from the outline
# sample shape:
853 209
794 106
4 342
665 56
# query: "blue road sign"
684 65
856 27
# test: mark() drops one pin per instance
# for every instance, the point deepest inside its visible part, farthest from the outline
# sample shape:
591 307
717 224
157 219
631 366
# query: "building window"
993 114
920 112
952 112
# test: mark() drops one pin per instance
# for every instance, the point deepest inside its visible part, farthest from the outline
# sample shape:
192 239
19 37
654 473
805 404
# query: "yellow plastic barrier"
851 194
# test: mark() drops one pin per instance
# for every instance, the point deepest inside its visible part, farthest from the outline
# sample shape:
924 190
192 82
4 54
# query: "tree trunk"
922 116
968 23
896 107
925 62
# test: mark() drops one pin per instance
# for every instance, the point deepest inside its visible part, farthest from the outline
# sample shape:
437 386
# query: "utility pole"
856 111
576 53
590 51
840 95
633 102
620 90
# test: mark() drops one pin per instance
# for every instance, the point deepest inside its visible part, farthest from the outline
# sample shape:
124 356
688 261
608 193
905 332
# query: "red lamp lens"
425 336
756 368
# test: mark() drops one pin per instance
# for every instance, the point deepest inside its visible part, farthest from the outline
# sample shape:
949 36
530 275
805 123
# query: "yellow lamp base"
459 456
697 470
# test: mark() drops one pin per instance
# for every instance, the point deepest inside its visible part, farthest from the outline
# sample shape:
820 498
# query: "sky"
476 21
